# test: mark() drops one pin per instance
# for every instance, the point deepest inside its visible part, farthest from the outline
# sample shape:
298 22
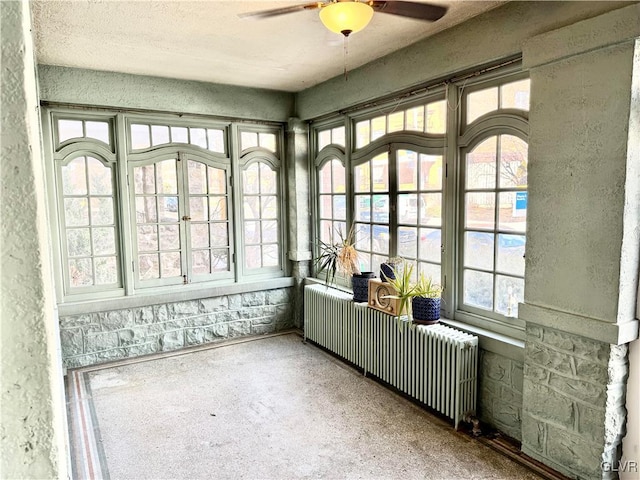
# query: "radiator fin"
435 364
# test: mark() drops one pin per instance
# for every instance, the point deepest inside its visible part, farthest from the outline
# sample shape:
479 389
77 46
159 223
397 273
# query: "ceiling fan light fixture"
346 17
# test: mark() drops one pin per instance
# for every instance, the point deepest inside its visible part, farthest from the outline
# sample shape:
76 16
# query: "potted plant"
387 269
426 299
343 257
402 284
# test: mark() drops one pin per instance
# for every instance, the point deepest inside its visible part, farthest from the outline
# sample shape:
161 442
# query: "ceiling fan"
349 16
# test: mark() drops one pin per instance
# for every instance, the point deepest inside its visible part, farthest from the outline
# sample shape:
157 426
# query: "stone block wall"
94 338
573 413
500 393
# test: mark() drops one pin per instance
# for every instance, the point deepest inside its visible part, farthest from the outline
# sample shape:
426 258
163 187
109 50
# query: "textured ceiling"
207 41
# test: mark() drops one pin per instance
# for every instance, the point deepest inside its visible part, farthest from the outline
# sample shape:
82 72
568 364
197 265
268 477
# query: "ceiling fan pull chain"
346 52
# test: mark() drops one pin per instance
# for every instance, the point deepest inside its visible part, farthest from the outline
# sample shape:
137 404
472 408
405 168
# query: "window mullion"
184 217
451 204
238 199
393 201
123 194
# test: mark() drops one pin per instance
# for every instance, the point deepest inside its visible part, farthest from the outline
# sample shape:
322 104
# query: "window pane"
324 139
326 231
252 232
99 177
408 208
378 127
363 208
480 210
396 122
101 211
326 208
513 211
198 137
217 180
220 260
380 173
431 209
80 272
268 179
216 140
380 211
104 241
407 170
270 231
159 134
339 207
144 179
362 178
217 208
248 140
415 119
78 242
250 180
511 254
197 177
140 136
339 182
478 250
363 236
146 210
198 209
179 135
253 256
437 117
168 209
149 266
513 161
252 207
69 129
408 242
478 289
201 262
269 207
515 95
362 134
74 177
170 237
430 246
509 292
170 265
267 141
324 178
337 136
167 180
431 271
481 165
219 235
430 172
270 256
76 212
97 130
380 239
199 235
147 238
106 270
364 262
481 102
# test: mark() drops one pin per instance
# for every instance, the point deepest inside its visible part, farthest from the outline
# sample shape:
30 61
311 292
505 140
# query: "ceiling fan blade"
421 11
280 11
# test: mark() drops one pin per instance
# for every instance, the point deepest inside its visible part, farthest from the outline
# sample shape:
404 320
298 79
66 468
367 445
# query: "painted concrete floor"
270 408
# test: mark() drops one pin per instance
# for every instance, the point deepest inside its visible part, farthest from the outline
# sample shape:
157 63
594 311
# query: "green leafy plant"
403 286
426 287
338 257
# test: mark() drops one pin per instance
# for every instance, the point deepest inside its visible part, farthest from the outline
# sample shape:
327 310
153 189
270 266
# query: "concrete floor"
271 408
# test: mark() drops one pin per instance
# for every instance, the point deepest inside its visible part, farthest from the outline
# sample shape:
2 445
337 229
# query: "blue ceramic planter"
360 285
426 310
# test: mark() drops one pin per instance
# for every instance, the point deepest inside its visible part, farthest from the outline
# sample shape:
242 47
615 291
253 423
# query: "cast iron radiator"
435 364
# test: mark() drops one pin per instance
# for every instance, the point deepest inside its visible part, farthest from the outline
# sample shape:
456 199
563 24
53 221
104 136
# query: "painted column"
32 427
583 245
299 208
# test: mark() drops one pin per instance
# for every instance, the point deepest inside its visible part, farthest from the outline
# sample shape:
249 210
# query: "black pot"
386 271
426 311
360 285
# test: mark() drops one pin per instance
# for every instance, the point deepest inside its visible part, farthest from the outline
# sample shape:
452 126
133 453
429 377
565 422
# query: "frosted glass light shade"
346 17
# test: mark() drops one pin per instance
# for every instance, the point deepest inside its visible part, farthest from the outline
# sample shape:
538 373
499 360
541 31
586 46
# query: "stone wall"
573 419
100 337
500 393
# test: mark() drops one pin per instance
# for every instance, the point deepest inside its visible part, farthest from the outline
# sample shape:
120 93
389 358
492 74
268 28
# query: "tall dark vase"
387 271
360 285
426 311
